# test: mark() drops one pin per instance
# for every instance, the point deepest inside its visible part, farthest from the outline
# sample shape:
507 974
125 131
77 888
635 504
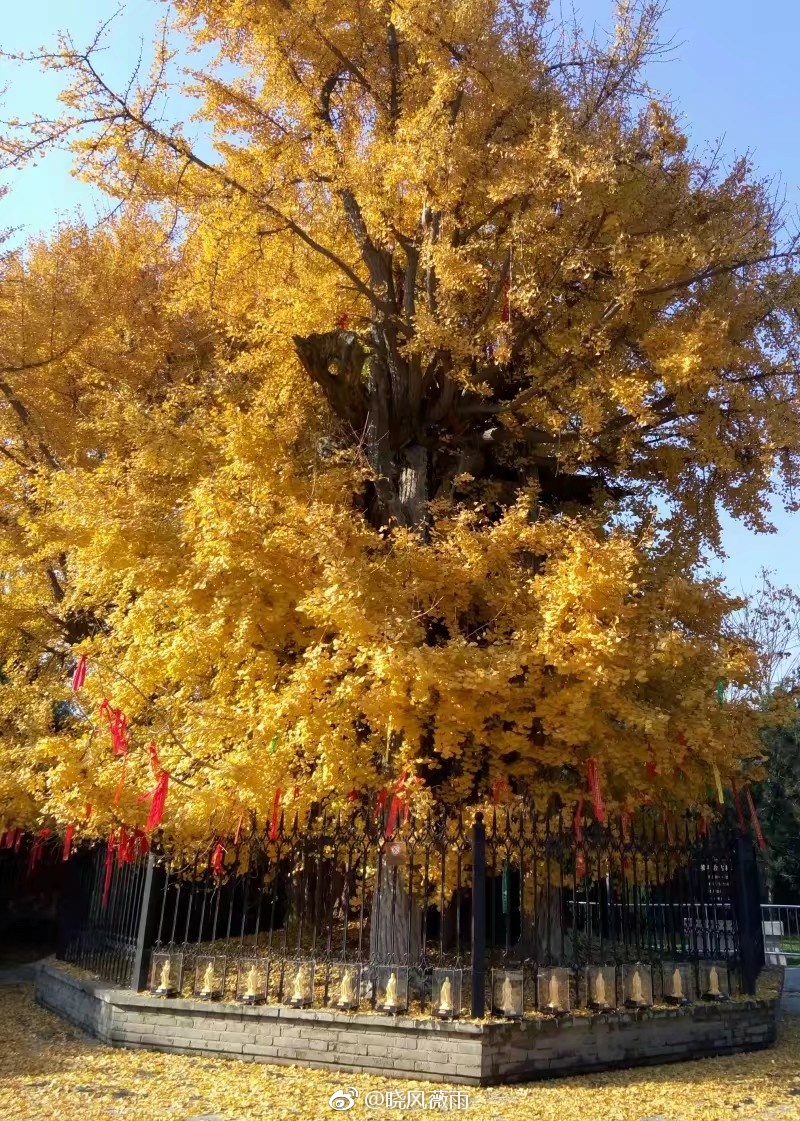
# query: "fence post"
747 893
148 922
478 918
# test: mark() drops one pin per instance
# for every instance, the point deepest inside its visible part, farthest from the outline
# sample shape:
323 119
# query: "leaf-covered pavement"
50 1071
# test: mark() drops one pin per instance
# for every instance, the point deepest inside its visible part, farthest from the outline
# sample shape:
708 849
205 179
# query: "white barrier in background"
781 925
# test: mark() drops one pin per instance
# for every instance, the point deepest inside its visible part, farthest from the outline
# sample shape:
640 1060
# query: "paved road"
22 974
791 992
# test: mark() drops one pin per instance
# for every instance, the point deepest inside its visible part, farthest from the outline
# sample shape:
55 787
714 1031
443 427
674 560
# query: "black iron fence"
101 908
335 909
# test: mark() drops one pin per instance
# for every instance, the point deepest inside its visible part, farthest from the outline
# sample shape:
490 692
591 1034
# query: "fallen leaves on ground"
50 1070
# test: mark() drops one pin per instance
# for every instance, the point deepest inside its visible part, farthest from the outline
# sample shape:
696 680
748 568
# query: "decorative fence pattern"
336 912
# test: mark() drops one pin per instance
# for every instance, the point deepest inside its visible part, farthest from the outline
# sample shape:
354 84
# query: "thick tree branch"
335 362
393 47
27 421
180 147
716 270
494 292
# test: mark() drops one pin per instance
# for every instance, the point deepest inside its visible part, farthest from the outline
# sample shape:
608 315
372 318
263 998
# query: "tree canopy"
375 442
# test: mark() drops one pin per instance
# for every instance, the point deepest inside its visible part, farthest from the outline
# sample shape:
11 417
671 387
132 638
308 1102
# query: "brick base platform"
401 1047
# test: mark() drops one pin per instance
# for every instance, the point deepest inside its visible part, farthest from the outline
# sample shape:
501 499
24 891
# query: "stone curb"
407 1047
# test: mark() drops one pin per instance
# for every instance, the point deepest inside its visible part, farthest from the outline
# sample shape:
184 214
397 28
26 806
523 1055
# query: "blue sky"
732 73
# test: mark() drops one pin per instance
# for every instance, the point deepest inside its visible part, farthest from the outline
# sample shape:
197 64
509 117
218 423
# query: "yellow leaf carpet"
50 1071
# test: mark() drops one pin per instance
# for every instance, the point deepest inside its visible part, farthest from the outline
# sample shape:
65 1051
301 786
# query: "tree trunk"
548 930
396 920
373 395
413 489
540 939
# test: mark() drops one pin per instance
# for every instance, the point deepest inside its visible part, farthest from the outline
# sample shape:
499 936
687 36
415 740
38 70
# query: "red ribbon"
381 802
577 826
394 813
120 737
217 863
109 868
497 787
87 813
18 840
79 675
117 726
68 835
399 804
760 839
125 847
593 778
155 763
121 782
157 797
273 828
35 854
158 801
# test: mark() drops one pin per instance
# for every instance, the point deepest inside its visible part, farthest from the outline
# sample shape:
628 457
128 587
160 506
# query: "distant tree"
769 620
778 800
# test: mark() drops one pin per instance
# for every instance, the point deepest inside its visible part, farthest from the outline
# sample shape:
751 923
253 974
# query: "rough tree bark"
396 920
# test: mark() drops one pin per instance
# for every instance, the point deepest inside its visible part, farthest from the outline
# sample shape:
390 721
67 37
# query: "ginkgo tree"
370 452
